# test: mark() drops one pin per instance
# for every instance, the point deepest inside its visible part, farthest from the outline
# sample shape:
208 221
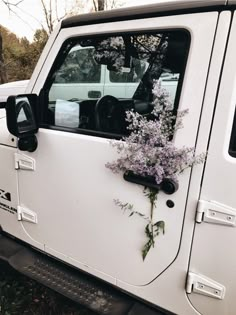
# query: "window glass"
134 74
79 67
94 81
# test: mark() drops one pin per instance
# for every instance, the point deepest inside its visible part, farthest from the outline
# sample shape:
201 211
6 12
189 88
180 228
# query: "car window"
95 80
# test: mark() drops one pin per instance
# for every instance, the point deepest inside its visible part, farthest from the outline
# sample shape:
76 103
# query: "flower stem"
152 198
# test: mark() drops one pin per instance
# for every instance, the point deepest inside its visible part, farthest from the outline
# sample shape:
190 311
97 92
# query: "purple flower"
148 150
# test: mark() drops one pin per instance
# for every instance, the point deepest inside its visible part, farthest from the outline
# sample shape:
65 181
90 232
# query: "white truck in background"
105 84
59 224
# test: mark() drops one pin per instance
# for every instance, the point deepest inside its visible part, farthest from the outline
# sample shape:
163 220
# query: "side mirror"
21 120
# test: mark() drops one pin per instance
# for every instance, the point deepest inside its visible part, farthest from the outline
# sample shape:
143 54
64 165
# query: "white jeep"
59 223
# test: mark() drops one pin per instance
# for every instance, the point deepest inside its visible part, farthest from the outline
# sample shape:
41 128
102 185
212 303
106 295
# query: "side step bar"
77 286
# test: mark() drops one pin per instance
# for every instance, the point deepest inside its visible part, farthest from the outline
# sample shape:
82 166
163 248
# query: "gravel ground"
21 296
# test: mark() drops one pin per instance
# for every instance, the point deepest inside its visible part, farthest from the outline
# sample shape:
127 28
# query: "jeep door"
71 190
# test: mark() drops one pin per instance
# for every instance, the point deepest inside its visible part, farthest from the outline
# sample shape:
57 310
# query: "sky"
29 16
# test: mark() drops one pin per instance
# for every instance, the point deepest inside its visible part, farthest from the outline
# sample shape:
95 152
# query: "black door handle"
94 94
168 186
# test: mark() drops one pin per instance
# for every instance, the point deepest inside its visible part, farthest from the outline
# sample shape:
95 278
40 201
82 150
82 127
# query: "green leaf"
124 205
148 231
160 225
146 249
130 207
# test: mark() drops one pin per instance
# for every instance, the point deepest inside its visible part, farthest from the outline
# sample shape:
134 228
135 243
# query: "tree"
101 5
22 55
51 14
48 15
3 76
12 52
40 39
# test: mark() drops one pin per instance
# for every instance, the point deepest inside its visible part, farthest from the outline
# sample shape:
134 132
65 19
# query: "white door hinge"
202 285
214 212
24 162
24 214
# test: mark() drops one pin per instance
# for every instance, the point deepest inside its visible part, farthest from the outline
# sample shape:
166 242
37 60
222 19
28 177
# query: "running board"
77 286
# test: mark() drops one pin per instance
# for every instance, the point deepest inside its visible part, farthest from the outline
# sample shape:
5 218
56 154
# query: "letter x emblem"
5 195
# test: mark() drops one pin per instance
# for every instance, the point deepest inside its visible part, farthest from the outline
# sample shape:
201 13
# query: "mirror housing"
2 105
21 115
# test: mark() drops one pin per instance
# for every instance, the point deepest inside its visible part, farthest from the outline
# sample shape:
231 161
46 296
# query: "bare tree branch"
51 13
15 6
48 15
10 4
95 5
113 3
12 9
101 5
56 11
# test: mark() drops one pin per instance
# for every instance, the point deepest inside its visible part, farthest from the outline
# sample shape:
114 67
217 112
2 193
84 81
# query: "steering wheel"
109 115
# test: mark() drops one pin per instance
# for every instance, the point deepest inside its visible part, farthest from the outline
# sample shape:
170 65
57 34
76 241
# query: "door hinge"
214 212
24 214
202 285
24 162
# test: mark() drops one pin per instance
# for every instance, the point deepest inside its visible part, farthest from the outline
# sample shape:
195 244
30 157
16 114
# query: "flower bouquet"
150 153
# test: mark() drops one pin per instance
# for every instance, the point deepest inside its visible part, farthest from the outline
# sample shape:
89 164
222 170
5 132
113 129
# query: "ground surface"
21 296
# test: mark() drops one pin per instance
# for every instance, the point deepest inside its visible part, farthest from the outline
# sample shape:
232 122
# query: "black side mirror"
21 120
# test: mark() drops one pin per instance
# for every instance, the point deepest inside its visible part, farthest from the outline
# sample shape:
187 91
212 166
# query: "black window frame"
232 142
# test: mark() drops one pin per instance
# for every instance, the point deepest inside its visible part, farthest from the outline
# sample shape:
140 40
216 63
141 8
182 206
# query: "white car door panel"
72 191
